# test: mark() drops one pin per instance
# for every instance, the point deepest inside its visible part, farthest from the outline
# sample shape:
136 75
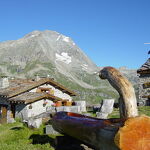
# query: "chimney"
37 78
4 82
48 76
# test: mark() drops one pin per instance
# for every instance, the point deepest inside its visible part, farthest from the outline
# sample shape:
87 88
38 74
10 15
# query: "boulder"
50 130
106 108
82 105
34 123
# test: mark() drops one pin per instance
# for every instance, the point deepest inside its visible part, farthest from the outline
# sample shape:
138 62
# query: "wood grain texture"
127 100
135 134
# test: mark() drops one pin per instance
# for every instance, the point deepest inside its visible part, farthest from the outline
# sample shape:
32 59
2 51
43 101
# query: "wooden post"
127 100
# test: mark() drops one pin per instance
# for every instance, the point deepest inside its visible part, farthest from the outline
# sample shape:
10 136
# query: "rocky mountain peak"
54 54
46 47
32 34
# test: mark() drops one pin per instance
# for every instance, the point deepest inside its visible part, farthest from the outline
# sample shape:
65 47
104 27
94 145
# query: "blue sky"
110 32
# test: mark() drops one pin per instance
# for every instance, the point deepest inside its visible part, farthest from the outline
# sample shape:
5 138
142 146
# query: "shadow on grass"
68 143
59 143
41 139
17 128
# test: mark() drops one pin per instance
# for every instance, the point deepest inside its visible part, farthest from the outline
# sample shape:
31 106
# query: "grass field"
143 110
16 136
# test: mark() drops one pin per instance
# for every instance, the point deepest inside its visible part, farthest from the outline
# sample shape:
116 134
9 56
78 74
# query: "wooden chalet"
27 98
144 85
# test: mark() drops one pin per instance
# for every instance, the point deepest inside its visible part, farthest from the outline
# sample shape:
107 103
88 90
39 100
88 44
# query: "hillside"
48 53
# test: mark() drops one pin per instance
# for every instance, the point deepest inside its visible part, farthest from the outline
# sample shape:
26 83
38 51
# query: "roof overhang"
28 101
147 71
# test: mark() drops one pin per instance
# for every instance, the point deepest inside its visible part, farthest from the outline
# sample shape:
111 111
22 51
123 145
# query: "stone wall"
143 91
75 109
82 105
25 111
4 102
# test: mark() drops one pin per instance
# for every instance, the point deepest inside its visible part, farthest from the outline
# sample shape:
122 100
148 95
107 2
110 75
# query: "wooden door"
13 110
3 114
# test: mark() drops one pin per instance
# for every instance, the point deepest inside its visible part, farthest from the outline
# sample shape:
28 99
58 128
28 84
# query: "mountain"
49 53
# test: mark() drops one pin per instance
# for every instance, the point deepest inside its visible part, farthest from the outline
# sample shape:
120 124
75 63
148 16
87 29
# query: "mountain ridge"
51 53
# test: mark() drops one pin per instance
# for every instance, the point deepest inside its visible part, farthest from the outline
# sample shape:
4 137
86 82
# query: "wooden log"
96 133
135 134
127 100
105 134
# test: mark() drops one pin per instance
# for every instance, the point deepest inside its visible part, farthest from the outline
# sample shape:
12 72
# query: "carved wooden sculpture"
127 133
127 100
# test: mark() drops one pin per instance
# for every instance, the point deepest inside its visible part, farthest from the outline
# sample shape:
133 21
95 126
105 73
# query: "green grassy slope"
18 137
101 90
143 110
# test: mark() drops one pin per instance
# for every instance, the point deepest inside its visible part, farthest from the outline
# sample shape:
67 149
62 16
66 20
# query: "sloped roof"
17 87
22 98
145 66
30 97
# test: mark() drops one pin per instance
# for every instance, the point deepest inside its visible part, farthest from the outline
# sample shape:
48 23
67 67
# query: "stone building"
144 84
23 98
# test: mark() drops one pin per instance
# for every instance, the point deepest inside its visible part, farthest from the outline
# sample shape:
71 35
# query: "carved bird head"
103 73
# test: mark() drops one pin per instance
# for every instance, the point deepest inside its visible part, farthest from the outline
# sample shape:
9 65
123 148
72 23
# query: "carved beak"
101 75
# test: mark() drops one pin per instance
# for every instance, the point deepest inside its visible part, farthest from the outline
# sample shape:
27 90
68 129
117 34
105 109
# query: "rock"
50 109
50 130
101 115
85 147
11 120
106 108
75 109
82 105
34 123
61 108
